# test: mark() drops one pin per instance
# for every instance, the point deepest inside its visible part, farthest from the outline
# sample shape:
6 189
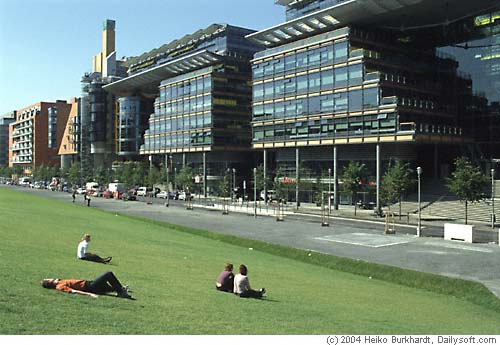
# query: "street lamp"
175 179
329 190
419 226
255 192
492 198
234 182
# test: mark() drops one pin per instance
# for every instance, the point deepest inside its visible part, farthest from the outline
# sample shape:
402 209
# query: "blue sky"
47 45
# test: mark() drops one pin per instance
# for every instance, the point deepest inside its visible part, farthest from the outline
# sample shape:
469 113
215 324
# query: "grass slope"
172 272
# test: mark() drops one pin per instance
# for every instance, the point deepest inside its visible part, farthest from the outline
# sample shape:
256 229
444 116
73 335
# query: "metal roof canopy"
389 14
148 81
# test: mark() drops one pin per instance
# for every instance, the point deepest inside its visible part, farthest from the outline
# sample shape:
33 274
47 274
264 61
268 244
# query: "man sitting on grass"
83 254
225 280
103 284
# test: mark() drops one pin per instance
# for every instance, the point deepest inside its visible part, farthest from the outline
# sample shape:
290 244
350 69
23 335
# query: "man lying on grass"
103 284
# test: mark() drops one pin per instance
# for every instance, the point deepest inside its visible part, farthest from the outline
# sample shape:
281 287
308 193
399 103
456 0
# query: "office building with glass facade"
189 103
340 81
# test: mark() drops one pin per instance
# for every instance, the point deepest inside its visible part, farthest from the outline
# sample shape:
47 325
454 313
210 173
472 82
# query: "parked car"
81 190
184 196
163 194
128 196
143 191
107 194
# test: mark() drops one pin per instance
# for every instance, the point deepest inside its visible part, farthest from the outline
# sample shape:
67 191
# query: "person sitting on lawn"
83 254
225 280
103 284
242 285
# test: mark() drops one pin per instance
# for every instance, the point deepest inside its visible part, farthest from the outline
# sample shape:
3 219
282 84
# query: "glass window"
327 103
268 69
314 57
279 66
355 100
314 82
269 90
279 109
290 85
327 80
301 106
290 109
314 105
302 83
279 87
193 87
257 135
370 98
258 110
258 92
355 74
340 101
326 55
290 63
302 61
341 77
207 120
268 109
341 51
207 102
199 85
207 84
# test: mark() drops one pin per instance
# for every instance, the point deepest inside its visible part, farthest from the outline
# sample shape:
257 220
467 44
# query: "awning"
147 82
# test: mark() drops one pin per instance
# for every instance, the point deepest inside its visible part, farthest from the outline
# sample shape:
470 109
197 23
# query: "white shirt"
82 249
241 283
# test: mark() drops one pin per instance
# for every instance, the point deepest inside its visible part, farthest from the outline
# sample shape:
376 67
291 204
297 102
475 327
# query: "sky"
47 45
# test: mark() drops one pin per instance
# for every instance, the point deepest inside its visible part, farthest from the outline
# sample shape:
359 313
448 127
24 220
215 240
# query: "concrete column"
297 176
265 176
205 174
335 179
150 161
378 179
184 160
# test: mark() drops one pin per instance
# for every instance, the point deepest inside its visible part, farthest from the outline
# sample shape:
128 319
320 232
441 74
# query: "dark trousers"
251 294
94 258
105 283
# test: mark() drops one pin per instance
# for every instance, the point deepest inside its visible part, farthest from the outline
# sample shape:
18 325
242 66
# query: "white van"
143 191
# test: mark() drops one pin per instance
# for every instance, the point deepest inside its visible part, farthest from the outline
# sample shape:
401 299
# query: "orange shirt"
67 285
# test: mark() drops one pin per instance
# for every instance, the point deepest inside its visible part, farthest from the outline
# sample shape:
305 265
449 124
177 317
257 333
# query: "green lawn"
172 272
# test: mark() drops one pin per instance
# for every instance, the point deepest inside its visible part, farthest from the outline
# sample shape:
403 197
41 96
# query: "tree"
351 177
102 176
396 180
74 173
467 182
153 177
185 178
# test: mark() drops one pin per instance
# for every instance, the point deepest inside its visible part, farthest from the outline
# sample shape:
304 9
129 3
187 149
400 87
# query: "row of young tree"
467 182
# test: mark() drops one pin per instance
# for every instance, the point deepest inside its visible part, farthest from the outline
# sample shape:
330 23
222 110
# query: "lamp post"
234 182
168 192
175 179
492 198
255 192
419 226
329 190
